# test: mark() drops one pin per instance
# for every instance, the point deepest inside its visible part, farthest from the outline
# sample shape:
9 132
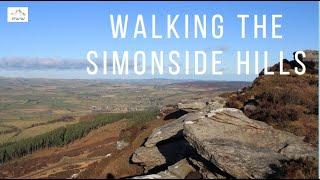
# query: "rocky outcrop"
242 147
202 105
148 157
165 132
164 147
192 106
311 61
179 170
165 110
217 142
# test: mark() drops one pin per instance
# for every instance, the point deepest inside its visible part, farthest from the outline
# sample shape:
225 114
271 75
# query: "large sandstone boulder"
162 155
148 157
242 147
165 132
206 170
168 109
179 170
166 145
311 60
202 105
192 106
169 130
218 143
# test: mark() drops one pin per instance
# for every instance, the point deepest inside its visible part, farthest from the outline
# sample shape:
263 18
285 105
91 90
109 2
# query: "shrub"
297 169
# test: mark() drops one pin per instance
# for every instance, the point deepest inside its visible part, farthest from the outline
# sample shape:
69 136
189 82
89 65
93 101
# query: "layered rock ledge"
211 141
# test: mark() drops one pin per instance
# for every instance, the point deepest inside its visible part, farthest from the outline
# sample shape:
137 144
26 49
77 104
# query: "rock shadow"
175 115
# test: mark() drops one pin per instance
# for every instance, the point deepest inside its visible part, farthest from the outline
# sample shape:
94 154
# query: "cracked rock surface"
217 142
242 147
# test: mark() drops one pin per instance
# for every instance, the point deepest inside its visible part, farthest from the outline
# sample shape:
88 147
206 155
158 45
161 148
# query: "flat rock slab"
166 153
164 132
242 147
169 130
148 157
177 171
192 106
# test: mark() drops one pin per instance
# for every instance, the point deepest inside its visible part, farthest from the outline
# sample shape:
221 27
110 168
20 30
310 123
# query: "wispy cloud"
36 63
39 63
224 48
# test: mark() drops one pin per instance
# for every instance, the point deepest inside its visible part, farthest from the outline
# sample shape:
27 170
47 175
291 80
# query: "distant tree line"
64 135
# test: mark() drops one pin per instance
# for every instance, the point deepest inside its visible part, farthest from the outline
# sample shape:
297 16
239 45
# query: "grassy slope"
288 103
65 135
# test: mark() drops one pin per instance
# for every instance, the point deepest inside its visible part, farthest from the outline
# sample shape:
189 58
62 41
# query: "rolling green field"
30 107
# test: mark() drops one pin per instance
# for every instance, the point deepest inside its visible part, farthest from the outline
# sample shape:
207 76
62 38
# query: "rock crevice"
217 142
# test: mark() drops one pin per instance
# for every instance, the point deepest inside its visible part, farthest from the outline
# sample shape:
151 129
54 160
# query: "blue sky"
67 30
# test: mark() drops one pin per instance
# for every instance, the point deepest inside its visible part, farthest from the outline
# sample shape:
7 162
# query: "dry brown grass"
297 169
286 102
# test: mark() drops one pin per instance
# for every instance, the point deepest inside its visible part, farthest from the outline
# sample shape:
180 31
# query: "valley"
30 107
35 110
